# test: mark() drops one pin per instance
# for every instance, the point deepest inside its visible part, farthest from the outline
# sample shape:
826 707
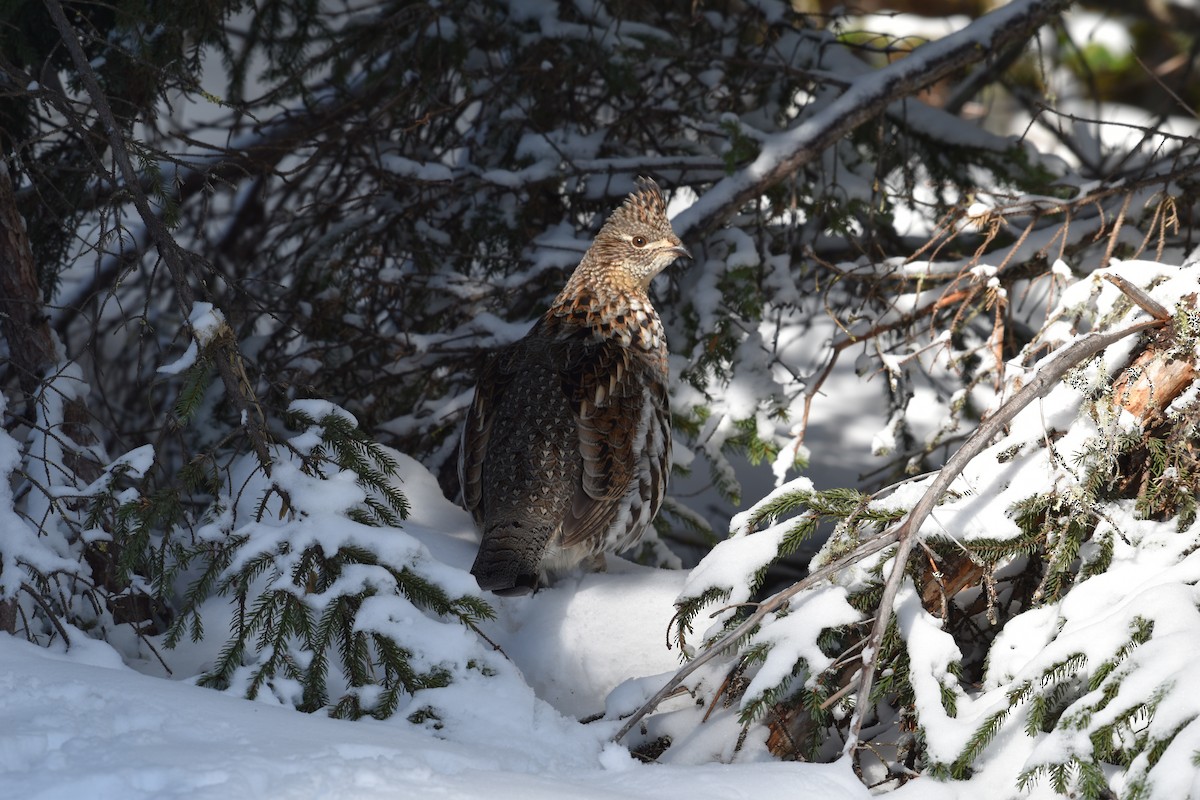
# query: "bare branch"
50 613
1140 298
179 262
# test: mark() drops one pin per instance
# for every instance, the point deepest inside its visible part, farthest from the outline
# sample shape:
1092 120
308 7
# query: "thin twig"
1116 231
717 696
840 693
41 601
479 632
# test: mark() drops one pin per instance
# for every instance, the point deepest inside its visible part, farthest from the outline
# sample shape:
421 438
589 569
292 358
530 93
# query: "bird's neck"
606 311
595 276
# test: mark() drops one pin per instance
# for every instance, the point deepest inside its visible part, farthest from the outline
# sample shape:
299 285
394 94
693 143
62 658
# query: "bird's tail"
509 559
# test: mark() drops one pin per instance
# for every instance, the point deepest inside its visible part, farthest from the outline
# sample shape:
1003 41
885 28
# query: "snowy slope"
81 724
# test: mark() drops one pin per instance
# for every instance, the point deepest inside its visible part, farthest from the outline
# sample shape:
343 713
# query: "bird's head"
637 240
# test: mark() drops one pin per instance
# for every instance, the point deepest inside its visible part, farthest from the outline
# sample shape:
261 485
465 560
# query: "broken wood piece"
1139 297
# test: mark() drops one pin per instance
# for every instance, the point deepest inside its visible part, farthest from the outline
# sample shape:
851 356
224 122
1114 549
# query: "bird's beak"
679 251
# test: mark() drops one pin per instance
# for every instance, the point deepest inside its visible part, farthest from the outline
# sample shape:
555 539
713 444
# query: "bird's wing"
620 411
493 379
653 468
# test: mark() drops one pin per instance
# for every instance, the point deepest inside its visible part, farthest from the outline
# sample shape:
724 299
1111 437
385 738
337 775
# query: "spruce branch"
872 545
902 532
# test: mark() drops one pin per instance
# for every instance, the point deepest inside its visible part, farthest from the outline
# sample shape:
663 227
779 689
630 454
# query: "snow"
135 463
739 524
206 323
75 729
183 363
81 723
1091 28
931 649
884 440
732 562
407 168
10 521
1150 579
978 210
563 668
794 637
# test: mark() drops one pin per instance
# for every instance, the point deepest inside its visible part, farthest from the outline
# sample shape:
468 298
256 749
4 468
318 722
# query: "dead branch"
1140 298
1159 374
50 613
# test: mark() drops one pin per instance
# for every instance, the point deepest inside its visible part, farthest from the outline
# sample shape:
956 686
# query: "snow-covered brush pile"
1043 630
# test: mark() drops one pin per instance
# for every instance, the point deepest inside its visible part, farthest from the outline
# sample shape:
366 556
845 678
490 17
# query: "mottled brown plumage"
567 444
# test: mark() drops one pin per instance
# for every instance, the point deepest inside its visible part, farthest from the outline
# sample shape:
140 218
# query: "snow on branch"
906 531
870 95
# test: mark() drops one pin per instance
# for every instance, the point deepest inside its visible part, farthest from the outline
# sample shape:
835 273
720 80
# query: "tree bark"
1155 377
23 322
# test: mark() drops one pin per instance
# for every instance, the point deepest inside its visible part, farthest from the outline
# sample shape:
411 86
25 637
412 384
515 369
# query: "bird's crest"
644 206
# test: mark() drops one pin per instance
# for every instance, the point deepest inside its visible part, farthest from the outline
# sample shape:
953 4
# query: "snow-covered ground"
81 724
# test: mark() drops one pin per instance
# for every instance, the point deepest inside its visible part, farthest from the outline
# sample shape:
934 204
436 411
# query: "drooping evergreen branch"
872 545
902 532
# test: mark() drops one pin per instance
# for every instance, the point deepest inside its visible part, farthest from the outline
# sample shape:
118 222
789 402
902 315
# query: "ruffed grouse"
567 444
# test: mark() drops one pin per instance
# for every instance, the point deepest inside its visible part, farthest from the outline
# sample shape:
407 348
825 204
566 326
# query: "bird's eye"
639 241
